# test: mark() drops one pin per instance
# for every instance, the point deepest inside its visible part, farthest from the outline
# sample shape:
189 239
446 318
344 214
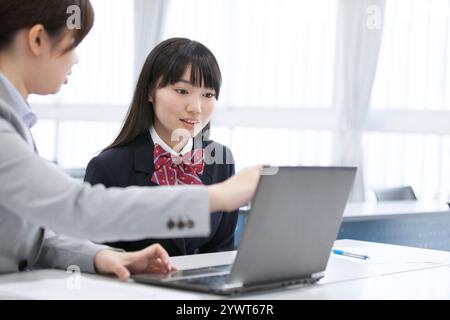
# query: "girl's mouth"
189 123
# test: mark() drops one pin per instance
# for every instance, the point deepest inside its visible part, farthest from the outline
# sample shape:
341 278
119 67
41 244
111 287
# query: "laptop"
292 225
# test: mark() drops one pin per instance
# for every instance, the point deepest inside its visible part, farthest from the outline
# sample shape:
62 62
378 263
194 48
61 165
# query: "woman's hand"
234 192
153 259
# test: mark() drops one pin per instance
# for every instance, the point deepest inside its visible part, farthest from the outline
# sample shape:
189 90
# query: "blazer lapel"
143 160
10 112
143 172
206 176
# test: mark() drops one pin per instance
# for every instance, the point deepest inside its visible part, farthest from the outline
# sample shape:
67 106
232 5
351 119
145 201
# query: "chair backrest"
395 194
77 173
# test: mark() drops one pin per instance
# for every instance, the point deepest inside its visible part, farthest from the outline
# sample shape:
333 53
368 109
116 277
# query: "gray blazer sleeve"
41 193
61 252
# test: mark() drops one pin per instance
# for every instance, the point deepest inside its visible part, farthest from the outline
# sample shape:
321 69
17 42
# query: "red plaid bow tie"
171 169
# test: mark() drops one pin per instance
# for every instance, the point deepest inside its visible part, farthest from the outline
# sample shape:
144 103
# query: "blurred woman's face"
54 65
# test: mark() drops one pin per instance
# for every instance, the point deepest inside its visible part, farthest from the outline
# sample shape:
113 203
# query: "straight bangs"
205 70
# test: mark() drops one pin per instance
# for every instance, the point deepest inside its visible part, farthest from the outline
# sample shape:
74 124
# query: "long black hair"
165 65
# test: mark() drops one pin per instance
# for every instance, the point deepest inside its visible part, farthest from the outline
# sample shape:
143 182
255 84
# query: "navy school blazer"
132 165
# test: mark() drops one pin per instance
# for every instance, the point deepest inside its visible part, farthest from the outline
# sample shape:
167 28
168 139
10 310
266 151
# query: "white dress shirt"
157 140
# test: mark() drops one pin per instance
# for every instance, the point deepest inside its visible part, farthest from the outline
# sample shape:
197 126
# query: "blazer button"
23 264
181 224
190 224
170 224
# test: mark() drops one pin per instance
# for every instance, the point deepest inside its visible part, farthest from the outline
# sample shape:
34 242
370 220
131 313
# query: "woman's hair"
166 65
16 15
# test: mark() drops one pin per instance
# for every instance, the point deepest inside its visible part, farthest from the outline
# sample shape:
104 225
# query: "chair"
242 219
77 173
403 193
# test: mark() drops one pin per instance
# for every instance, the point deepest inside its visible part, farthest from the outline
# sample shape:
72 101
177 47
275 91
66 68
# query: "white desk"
393 209
393 272
423 224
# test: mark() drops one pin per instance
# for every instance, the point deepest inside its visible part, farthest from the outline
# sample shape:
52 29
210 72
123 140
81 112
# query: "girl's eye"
209 95
181 91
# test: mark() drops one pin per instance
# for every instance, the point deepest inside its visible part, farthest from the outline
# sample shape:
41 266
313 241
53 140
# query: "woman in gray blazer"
37 51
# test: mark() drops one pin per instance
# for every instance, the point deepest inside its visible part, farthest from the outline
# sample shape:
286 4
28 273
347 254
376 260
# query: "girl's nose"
195 105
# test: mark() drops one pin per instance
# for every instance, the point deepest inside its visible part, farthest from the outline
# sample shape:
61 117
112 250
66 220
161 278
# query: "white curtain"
358 39
149 18
413 80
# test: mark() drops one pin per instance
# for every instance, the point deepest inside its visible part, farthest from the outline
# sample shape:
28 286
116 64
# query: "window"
412 86
276 105
273 55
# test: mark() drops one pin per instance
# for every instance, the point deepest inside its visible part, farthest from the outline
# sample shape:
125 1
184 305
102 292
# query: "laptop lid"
292 225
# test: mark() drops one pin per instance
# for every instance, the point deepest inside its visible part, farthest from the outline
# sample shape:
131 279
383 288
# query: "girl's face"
182 110
54 65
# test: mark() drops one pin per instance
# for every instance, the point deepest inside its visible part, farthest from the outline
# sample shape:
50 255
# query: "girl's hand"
235 192
153 259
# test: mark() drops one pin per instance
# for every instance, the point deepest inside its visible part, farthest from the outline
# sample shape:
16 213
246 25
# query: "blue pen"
349 254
